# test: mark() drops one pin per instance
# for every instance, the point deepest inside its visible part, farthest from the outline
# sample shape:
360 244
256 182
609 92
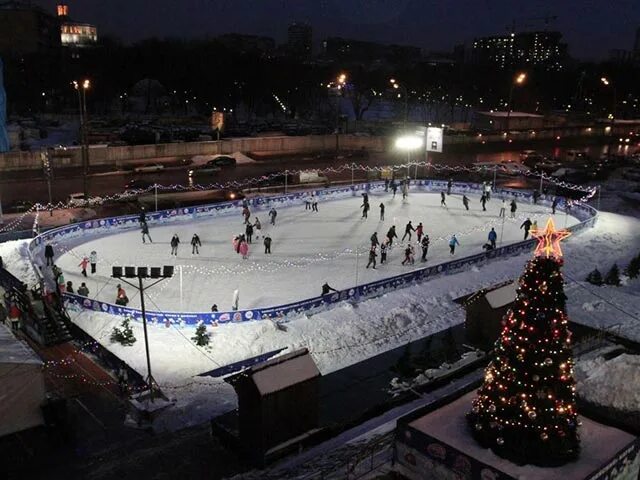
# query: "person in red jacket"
83 264
419 230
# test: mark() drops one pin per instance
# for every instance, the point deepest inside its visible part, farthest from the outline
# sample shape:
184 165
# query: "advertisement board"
434 139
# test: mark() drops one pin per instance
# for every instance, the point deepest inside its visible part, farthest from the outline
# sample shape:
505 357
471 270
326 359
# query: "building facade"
299 40
74 34
345 49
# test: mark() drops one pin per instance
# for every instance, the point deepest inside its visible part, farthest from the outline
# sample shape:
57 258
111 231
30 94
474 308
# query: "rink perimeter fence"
586 215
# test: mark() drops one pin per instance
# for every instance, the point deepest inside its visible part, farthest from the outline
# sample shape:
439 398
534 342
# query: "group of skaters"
63 286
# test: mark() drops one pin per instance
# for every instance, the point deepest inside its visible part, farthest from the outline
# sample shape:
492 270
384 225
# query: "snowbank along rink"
308 249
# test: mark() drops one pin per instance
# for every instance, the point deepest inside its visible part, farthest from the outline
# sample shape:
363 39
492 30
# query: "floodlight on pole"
141 273
409 142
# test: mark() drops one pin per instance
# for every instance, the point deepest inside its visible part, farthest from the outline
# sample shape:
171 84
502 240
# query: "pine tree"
201 337
526 409
613 276
124 335
595 277
633 269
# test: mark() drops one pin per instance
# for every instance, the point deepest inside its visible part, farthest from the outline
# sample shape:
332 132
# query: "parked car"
208 168
77 200
137 184
224 161
150 167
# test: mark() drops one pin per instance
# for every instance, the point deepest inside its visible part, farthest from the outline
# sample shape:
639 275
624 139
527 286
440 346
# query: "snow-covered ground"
349 333
308 248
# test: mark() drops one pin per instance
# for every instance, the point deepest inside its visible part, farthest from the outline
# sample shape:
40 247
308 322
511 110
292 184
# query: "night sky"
590 27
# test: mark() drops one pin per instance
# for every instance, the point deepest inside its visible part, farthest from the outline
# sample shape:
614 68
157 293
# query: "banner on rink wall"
108 226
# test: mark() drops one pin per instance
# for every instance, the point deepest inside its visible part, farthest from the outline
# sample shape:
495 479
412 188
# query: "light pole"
154 273
519 79
340 83
405 93
82 107
607 83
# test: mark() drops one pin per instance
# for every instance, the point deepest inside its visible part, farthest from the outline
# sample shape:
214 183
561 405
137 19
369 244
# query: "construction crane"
523 22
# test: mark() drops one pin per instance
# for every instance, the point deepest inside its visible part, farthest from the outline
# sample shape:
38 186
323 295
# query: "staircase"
47 324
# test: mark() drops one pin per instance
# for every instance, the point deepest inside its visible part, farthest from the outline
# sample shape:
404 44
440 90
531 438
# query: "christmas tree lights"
525 410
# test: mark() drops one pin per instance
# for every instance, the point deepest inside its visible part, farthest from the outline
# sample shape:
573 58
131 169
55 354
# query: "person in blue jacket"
452 244
493 236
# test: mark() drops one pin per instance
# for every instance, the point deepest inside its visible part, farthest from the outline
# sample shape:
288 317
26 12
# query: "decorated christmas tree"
201 337
525 410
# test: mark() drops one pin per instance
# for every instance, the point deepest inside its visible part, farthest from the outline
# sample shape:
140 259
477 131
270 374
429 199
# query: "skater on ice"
258 226
483 201
391 234
443 201
465 202
514 207
243 248
536 196
307 201
314 203
267 243
408 254
374 240
492 237
487 190
365 209
175 241
394 188
381 212
554 205
272 215
326 289
249 232
121 296
405 189
246 214
407 231
526 225
425 247
452 244
93 260
195 244
235 301
83 290
48 254
83 265
145 232
449 185
419 231
503 208
383 253
372 257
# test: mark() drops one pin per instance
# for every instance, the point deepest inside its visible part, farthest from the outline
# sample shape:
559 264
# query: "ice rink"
308 249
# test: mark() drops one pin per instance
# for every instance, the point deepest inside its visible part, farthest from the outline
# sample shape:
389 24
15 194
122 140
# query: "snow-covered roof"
511 115
502 296
13 350
284 371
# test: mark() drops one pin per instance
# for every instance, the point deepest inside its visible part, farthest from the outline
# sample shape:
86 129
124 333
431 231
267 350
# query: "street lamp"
397 86
82 88
154 273
340 83
607 83
519 79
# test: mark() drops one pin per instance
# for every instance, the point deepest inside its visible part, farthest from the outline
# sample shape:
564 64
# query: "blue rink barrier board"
109 226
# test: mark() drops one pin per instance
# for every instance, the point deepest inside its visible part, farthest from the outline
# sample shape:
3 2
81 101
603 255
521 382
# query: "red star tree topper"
549 240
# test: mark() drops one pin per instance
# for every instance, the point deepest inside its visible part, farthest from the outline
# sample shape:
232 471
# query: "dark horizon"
591 28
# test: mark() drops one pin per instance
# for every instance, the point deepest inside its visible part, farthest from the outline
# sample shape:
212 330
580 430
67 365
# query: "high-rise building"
299 40
26 29
520 50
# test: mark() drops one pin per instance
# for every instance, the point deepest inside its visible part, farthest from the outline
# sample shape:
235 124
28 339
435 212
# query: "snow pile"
15 256
611 383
